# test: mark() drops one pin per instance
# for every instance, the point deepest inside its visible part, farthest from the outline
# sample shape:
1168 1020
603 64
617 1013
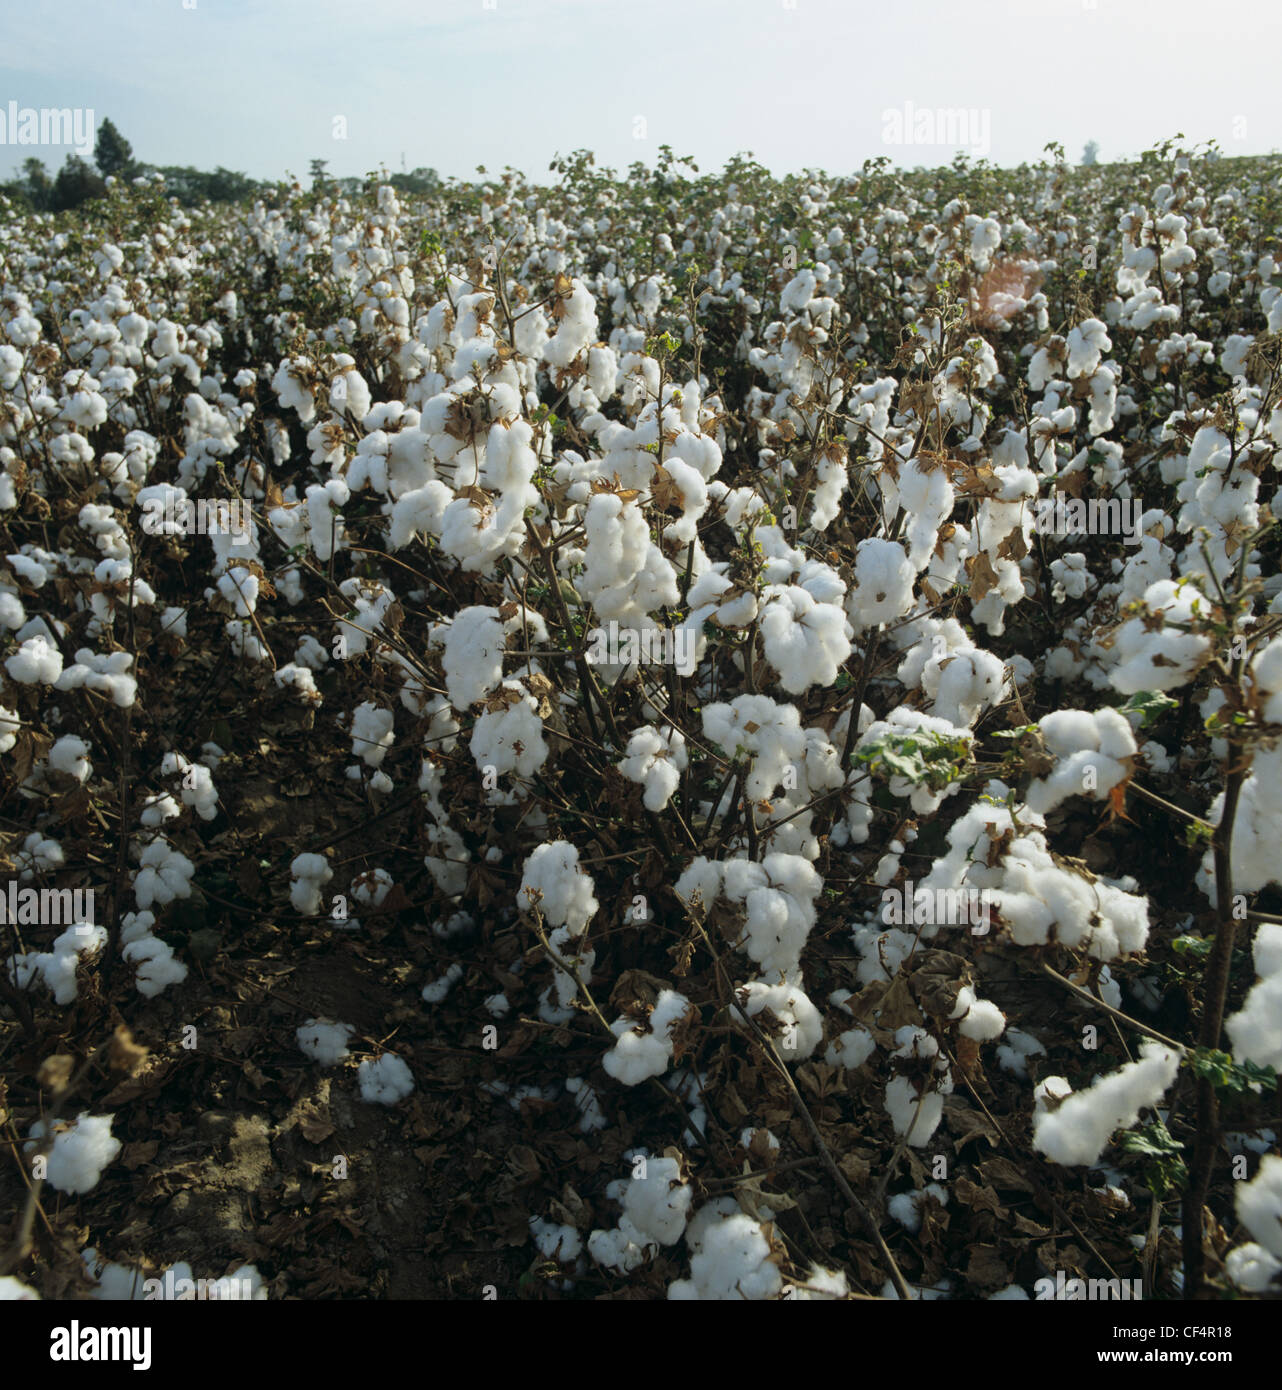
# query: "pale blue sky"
256 85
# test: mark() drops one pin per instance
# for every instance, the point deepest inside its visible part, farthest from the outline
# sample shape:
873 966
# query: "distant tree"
318 172
35 185
1090 155
112 153
76 183
419 180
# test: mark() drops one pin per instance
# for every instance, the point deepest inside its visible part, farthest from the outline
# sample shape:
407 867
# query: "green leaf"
1149 705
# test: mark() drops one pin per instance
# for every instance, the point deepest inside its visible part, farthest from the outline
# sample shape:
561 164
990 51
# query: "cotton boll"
323 1041
734 1261
14 1290
800 1021
69 755
310 873
155 964
655 758
385 1081
1259 1205
81 1150
906 1207
37 661
658 1205
436 990
805 641
555 1242
553 882
1076 1133
639 1055
163 875
980 1019
1256 1029
473 656
851 1049
10 724
883 587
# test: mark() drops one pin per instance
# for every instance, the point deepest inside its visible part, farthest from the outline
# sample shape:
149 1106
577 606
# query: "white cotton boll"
69 755
1259 1205
658 1205
555 1242
616 1250
10 724
800 1021
851 1049
323 1041
805 641
637 1055
906 1207
310 873
155 965
553 882
1150 653
1080 741
163 875
883 587
300 680
734 1261
135 925
372 732
1077 1132
1256 1029
1266 673
14 1290
1252 1269
656 758
37 661
510 739
81 1150
1012 1293
473 655
385 1081
981 1020
436 990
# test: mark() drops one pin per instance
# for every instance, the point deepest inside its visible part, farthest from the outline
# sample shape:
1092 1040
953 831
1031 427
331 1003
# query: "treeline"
78 180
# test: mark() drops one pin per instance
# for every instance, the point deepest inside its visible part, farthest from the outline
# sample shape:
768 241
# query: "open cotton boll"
81 1150
1252 1268
553 882
656 758
372 732
800 1021
1259 1205
639 1055
981 1020
658 1204
734 1260
163 875
155 965
14 1290
310 873
69 755
10 724
36 662
1256 1029
473 655
883 586
805 641
1077 1131
906 1207
916 1107
1090 751
385 1081
556 1242
1149 652
324 1041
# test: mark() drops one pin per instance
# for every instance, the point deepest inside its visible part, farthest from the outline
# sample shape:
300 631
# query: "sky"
265 86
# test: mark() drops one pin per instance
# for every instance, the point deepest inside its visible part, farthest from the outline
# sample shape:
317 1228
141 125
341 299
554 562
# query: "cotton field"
523 677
